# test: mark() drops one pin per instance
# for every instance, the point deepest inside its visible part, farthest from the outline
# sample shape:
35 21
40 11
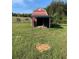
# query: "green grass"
24 39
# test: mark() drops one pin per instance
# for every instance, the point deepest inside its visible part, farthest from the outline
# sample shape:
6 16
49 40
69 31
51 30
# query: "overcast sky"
27 6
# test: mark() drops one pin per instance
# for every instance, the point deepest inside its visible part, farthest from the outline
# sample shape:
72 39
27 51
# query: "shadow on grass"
56 26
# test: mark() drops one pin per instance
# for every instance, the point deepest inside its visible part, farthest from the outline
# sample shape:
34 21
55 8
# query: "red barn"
40 17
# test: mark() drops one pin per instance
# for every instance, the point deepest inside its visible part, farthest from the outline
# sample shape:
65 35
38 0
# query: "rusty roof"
40 12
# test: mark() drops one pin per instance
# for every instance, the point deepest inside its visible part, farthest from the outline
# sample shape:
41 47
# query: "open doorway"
42 21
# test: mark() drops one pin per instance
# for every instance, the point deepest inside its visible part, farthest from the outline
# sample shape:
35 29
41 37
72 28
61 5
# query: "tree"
57 10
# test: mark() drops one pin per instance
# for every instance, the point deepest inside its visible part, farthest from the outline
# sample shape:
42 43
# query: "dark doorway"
43 21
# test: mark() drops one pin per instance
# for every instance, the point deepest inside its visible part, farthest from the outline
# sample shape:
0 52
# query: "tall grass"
25 39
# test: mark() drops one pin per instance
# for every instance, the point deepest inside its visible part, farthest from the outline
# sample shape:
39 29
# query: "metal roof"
40 12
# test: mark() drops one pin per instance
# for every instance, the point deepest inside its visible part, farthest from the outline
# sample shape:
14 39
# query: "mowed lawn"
25 39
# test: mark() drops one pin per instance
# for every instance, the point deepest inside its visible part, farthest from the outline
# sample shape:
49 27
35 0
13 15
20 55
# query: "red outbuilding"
40 18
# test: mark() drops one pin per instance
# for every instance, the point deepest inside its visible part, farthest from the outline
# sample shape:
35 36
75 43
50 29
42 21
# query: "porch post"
49 22
32 22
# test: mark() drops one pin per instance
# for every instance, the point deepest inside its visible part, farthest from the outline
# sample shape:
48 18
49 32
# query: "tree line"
21 15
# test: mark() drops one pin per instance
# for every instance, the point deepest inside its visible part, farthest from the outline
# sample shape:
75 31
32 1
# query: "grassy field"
24 40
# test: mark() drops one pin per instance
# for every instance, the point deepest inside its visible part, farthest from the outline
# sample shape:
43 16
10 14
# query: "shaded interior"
42 21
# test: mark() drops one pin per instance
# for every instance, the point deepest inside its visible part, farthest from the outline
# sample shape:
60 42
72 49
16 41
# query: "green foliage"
21 19
21 15
58 12
18 20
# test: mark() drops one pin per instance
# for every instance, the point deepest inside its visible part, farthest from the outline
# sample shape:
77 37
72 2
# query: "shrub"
18 20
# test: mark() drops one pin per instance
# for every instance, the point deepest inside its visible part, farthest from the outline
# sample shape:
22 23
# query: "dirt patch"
42 47
41 27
